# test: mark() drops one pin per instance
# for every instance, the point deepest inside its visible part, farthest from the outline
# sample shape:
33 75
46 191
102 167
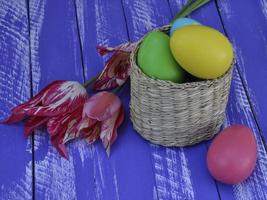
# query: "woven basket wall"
172 114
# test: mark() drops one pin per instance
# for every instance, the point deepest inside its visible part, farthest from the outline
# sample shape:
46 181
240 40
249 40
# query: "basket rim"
168 83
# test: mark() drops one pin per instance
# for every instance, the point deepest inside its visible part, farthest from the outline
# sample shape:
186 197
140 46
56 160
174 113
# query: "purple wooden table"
45 40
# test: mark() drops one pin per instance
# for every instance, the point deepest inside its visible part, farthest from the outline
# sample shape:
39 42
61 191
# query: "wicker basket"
172 114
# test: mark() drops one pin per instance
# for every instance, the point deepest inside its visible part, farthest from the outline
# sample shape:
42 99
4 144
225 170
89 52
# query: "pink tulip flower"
117 68
56 99
102 115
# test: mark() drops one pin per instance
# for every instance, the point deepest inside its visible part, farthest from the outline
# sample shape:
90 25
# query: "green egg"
155 58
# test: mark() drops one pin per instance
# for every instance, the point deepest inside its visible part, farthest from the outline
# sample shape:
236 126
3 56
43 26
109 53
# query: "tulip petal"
126 47
14 117
61 129
92 133
116 72
72 133
66 98
109 129
103 109
61 148
117 68
89 129
18 113
104 50
101 106
66 121
32 123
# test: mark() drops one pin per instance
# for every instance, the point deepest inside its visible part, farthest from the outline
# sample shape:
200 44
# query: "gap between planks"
151 156
82 61
79 40
27 2
206 144
243 82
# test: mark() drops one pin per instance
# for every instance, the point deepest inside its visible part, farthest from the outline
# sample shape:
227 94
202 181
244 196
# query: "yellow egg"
202 51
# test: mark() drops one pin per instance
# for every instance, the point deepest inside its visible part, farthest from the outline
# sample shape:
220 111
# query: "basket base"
172 141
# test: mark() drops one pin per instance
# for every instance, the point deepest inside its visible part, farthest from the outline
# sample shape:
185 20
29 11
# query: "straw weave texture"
173 114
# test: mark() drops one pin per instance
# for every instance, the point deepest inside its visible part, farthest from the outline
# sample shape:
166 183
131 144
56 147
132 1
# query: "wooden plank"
238 111
15 88
56 55
127 174
250 54
180 173
246 27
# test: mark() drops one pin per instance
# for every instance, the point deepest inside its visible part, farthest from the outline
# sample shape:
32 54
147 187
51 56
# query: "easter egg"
202 51
181 22
155 58
232 155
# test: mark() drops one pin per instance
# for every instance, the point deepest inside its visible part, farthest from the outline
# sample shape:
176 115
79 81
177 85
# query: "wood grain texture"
180 173
246 27
127 174
15 153
56 55
136 168
238 111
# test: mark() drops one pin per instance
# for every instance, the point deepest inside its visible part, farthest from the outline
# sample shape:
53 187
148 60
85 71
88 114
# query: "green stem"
189 8
90 81
182 10
194 7
117 89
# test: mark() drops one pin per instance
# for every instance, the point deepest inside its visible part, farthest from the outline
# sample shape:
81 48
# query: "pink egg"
232 155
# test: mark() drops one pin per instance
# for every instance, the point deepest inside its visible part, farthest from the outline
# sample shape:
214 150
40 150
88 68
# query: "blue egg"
179 23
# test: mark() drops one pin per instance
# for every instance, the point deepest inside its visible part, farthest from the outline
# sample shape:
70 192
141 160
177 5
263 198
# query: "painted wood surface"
56 55
59 43
239 111
180 173
15 150
128 173
250 40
